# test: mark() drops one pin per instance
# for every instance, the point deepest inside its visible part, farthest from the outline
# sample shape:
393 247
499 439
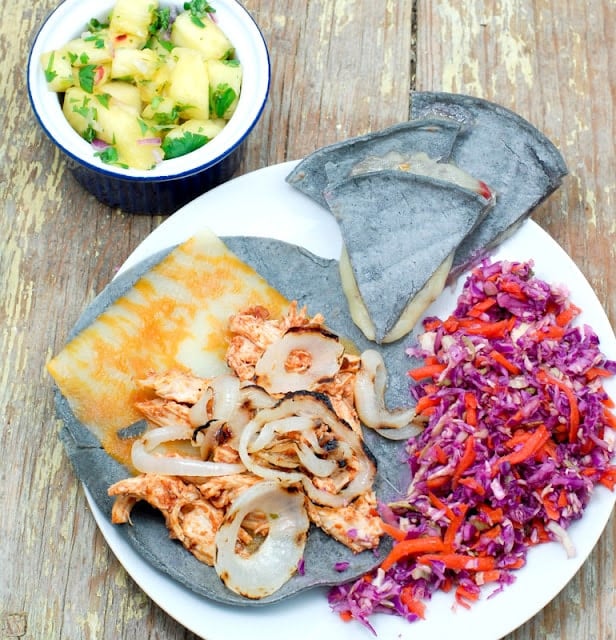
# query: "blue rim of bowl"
157 178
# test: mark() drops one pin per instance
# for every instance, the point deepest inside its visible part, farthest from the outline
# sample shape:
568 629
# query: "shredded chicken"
190 518
357 525
193 508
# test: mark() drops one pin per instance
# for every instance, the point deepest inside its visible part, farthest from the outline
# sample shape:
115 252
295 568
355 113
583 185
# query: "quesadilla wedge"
521 165
433 137
400 231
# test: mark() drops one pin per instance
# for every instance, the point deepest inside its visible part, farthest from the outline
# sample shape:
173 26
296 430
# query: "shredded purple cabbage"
505 507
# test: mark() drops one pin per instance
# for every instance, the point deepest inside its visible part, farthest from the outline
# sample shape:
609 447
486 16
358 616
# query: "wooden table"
340 68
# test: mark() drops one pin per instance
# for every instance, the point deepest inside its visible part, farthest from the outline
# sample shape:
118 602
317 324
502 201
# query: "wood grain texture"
339 68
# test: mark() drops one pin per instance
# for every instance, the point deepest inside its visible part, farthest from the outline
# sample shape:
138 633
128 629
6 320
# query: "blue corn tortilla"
331 164
315 283
518 162
398 228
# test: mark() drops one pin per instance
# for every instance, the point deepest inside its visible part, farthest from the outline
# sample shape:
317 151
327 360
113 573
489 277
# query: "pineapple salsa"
152 84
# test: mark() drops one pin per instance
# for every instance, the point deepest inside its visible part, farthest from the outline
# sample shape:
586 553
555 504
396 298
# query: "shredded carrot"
574 412
394 532
466 460
437 482
463 594
473 485
550 510
456 521
439 504
566 316
427 371
534 442
412 604
481 307
497 329
609 418
483 577
470 402
346 616
440 454
425 405
608 478
414 546
597 372
459 561
497 356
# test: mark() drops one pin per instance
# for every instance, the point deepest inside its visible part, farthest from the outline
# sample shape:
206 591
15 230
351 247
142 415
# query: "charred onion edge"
316 405
277 558
145 460
325 349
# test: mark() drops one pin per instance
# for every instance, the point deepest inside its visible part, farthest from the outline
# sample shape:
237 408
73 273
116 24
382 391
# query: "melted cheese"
175 316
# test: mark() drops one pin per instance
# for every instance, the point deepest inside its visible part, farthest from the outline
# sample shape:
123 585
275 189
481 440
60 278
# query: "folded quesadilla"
333 163
400 232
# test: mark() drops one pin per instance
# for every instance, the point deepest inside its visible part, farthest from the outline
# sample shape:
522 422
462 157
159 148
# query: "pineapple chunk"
209 38
80 108
93 49
135 64
188 84
136 145
58 70
132 18
164 112
190 135
125 94
225 78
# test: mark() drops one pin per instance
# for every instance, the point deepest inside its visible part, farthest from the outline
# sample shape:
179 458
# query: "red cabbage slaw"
518 432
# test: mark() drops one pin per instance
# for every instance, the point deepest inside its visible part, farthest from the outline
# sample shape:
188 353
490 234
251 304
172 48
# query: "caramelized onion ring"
325 352
369 393
277 558
314 406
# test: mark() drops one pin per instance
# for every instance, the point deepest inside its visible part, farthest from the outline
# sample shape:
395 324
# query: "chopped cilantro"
231 62
99 43
84 58
50 74
161 21
95 25
221 98
175 147
89 134
86 77
109 155
72 57
84 110
104 98
143 125
198 9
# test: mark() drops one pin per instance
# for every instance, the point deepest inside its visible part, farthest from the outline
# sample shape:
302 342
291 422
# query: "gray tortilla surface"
398 229
314 282
333 163
518 162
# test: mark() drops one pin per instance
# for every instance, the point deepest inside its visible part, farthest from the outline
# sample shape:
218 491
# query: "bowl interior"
69 20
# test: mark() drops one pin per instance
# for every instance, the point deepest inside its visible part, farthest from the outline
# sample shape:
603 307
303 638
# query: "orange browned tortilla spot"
175 316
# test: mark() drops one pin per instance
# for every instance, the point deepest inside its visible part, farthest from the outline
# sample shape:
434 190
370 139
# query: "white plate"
262 204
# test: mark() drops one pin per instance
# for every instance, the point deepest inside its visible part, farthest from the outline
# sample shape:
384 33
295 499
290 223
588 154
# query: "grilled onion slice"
264 571
343 459
146 460
302 357
369 392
